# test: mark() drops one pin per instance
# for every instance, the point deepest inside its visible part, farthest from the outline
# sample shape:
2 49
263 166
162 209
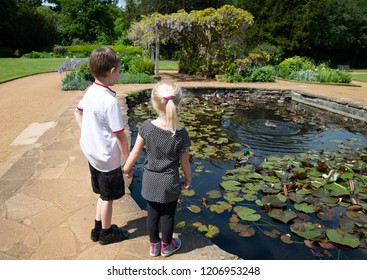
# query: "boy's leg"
104 212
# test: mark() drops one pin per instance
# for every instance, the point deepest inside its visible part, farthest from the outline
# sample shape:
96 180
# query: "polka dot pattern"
161 182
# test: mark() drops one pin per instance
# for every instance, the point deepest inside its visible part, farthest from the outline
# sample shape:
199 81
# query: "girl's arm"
133 157
185 164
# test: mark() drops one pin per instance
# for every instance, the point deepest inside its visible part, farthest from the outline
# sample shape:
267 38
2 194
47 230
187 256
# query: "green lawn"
360 77
13 68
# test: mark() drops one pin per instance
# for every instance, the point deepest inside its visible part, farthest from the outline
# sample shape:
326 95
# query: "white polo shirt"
101 119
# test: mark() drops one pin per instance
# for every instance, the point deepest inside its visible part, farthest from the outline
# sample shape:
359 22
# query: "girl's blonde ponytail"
166 98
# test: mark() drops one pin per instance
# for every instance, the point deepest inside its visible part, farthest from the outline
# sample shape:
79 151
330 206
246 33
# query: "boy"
102 141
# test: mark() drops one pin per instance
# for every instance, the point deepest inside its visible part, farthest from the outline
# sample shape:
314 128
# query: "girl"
167 146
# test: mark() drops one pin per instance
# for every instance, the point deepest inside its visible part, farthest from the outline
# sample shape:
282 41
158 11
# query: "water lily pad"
189 192
194 209
283 175
220 207
214 194
242 230
296 198
336 189
272 234
306 230
247 214
231 185
180 224
281 215
342 238
304 207
269 190
273 201
233 197
286 238
317 183
212 231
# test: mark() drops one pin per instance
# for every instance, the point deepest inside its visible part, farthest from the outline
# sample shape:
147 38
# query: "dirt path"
34 99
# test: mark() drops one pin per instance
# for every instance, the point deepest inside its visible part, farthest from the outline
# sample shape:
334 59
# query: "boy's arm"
123 143
185 164
134 155
78 116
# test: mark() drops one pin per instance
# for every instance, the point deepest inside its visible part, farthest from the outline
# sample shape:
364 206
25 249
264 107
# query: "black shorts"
109 185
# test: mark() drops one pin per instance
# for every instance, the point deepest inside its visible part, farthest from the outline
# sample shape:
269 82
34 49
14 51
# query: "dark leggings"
163 214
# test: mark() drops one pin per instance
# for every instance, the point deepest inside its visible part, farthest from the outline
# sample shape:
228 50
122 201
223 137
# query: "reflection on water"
264 132
280 136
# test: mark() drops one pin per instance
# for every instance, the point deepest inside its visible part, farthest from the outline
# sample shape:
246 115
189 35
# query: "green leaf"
220 207
304 207
189 192
181 224
306 230
194 209
281 215
336 189
231 185
212 231
272 201
342 238
214 194
233 197
247 214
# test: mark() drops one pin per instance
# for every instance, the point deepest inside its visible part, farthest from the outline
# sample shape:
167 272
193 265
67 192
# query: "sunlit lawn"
13 68
360 77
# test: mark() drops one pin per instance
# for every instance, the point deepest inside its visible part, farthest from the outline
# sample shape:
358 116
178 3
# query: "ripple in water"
271 135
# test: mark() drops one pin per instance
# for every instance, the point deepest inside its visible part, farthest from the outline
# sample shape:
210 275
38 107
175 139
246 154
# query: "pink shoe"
169 249
155 249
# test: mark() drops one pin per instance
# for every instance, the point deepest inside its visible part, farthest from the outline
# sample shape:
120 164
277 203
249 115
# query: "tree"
7 11
207 38
28 26
326 30
88 20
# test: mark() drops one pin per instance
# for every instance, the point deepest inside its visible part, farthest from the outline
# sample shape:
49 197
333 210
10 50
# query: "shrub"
41 55
74 81
232 78
304 75
76 75
334 76
296 63
142 64
125 62
85 50
60 50
138 78
262 74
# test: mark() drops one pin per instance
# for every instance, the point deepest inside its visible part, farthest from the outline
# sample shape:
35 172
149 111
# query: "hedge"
86 50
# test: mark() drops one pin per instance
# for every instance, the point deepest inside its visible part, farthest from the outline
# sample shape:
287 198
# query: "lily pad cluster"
317 198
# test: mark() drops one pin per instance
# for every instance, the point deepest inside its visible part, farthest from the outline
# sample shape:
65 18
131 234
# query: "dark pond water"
259 130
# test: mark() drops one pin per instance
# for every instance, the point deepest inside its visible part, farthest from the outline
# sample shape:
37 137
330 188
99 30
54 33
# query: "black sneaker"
116 235
94 234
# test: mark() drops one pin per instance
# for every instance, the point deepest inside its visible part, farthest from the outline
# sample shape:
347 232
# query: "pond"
272 178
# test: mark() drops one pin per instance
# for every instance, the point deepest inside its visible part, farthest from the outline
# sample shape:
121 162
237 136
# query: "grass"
13 68
360 77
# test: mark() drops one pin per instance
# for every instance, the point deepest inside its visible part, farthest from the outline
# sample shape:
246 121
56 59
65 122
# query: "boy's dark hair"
103 60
